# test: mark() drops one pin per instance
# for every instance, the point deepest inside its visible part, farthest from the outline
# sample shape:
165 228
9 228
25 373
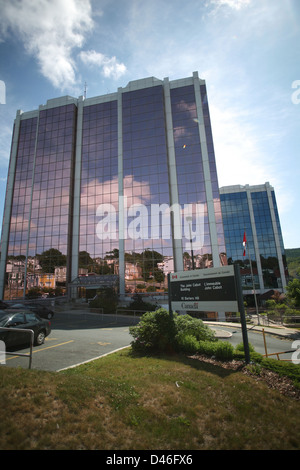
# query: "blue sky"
247 51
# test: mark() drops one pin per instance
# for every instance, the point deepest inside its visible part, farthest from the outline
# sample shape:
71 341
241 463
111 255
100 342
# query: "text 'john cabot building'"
122 185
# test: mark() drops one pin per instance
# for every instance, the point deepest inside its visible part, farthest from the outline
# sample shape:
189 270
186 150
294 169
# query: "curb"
282 332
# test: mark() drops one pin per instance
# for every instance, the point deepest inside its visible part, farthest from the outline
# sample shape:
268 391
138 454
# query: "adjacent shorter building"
252 210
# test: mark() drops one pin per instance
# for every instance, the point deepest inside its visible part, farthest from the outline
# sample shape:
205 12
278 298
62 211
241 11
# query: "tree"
293 292
84 259
149 260
159 275
50 259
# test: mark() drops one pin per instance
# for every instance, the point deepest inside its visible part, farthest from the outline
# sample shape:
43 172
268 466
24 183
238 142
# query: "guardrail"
31 343
122 311
279 353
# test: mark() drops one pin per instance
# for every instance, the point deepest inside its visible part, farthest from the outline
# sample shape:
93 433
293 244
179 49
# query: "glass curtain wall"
52 197
41 209
213 176
266 239
190 173
236 221
99 241
282 250
20 211
148 242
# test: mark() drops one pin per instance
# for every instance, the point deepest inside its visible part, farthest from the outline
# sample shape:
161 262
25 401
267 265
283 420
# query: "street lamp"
189 220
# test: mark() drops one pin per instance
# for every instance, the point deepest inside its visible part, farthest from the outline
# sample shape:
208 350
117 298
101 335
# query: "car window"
4 320
18 318
30 317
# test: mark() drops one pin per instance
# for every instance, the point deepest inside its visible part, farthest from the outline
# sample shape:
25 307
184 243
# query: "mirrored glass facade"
146 186
106 185
253 210
99 186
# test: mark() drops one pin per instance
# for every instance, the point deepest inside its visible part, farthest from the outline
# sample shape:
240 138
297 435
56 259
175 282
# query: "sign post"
170 296
242 311
213 289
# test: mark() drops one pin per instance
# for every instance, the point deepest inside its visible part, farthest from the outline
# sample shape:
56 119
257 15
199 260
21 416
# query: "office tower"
123 184
253 210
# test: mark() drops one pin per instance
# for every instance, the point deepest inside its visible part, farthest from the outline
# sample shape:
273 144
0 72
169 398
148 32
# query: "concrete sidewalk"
278 330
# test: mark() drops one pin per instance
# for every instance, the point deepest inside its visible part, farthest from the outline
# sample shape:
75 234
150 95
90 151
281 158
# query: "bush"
158 332
187 325
221 350
224 351
207 347
155 332
240 348
186 343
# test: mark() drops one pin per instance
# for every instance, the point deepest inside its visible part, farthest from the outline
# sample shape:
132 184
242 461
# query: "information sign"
211 289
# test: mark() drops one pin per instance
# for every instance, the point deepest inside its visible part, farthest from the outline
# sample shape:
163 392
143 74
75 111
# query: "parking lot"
76 337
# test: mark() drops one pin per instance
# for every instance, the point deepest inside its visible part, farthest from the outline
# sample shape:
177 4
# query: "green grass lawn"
123 401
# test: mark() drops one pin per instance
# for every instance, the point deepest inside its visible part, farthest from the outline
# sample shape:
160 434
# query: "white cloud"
234 4
6 120
239 156
50 30
110 67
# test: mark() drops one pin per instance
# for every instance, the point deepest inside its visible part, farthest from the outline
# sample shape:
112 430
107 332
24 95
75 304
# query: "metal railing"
31 343
132 312
279 353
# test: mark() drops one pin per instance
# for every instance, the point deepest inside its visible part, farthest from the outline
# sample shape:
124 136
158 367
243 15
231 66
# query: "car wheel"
40 338
49 316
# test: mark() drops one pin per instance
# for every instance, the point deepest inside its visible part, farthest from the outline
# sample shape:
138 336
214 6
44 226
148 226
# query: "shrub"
155 332
224 351
240 348
187 325
186 343
158 332
207 347
221 350
254 356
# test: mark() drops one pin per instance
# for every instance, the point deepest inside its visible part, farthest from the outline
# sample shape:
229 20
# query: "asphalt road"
76 338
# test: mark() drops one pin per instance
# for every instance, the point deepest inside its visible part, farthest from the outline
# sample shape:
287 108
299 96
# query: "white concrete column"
173 188
8 201
207 175
121 199
76 196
